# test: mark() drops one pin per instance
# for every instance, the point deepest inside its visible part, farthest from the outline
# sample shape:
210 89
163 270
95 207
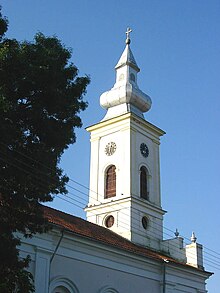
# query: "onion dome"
125 96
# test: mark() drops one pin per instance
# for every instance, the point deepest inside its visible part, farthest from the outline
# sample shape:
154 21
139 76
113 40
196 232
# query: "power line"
73 201
75 188
174 248
86 194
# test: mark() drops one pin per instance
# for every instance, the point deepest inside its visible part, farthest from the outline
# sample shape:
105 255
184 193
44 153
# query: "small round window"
109 222
145 222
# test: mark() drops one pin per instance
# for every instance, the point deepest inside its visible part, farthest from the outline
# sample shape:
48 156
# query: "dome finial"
128 40
193 238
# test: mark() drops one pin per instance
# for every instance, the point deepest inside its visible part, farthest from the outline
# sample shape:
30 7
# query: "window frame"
61 281
110 181
144 183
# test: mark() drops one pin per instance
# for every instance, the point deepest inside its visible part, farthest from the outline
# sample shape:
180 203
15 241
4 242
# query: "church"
120 247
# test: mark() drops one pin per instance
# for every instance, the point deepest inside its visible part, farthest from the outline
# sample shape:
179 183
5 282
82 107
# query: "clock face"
144 150
110 148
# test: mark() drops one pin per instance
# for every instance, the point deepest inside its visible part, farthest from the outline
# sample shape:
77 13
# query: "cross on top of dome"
128 40
125 96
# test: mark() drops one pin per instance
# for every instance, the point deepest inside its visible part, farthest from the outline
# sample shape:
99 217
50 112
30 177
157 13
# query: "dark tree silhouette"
41 97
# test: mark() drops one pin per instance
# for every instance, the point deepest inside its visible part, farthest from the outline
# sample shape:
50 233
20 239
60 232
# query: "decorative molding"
108 289
61 281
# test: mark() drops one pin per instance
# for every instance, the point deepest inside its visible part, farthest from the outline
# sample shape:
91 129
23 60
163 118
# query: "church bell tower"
125 165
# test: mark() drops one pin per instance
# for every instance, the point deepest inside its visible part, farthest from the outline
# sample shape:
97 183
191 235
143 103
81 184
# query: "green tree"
41 97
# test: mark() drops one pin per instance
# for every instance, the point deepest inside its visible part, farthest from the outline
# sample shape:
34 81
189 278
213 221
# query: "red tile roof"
103 235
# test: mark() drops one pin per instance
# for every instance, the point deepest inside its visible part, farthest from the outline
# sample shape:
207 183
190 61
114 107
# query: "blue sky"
176 44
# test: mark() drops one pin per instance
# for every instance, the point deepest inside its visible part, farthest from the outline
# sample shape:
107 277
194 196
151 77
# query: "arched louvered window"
144 183
110 182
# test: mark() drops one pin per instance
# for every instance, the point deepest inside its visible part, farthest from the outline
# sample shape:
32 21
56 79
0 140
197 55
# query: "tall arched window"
110 182
144 193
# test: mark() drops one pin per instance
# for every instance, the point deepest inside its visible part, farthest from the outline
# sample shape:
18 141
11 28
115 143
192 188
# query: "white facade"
128 132
79 256
83 265
125 140
124 127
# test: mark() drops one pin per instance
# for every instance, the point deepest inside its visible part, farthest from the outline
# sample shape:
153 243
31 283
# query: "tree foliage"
41 96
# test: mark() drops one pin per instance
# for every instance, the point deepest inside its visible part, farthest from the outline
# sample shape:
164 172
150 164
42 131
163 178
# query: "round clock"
144 150
110 148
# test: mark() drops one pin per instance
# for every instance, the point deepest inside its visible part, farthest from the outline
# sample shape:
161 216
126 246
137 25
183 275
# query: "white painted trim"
64 282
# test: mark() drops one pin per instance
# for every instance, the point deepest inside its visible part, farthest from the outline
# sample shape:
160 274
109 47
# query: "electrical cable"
73 201
81 207
87 195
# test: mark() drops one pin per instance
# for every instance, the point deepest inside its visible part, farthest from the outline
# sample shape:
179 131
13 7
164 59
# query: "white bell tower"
125 165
